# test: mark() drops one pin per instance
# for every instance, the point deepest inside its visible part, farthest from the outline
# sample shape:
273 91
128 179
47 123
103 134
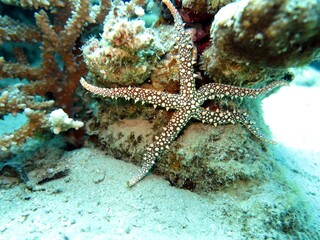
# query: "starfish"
188 103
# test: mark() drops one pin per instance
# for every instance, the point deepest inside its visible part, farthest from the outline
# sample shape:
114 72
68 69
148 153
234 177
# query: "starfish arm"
171 131
212 90
225 117
186 51
154 97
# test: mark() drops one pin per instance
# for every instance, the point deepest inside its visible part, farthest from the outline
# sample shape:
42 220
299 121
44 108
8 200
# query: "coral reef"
124 129
254 39
189 103
127 51
136 48
42 53
57 120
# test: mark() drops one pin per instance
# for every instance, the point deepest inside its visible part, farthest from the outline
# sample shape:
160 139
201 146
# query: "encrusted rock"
252 39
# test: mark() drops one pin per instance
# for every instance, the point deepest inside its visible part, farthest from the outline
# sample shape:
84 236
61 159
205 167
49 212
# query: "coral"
57 40
15 102
197 10
35 3
193 11
52 81
214 6
252 39
59 121
125 129
18 137
188 104
14 31
127 51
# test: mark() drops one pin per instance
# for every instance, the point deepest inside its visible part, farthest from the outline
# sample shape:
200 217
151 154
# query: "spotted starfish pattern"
188 103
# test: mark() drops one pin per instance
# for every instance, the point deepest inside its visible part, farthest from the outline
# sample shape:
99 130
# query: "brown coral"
252 39
57 32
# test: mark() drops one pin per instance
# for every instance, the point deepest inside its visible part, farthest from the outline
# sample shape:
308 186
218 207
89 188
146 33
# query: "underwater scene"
159 119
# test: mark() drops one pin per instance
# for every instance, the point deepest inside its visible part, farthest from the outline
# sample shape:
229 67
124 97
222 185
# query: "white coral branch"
59 121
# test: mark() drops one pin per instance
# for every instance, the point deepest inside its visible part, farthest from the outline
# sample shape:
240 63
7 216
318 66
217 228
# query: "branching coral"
35 3
56 32
14 102
61 66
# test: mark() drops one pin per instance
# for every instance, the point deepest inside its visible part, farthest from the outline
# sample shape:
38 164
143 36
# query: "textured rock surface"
215 158
253 39
127 51
202 159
